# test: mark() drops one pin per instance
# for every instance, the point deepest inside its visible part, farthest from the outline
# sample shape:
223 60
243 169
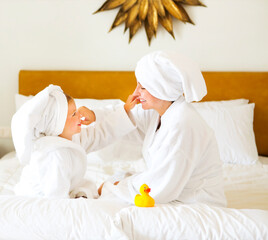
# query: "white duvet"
37 218
198 221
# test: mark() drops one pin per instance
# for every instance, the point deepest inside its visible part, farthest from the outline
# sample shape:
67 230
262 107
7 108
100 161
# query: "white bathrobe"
182 158
56 169
57 165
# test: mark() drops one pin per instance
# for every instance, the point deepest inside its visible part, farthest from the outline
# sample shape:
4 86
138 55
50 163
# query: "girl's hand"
132 100
87 115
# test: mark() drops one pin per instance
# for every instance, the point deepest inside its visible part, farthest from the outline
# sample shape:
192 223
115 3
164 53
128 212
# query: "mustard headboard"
119 84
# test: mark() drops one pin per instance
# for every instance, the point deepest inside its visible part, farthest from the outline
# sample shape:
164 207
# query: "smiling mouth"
142 100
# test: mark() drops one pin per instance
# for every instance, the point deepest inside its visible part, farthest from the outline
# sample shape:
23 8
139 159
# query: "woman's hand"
87 114
132 100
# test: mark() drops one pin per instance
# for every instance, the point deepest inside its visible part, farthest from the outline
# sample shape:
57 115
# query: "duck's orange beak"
147 190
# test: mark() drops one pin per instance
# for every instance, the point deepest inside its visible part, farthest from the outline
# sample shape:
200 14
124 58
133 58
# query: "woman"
179 149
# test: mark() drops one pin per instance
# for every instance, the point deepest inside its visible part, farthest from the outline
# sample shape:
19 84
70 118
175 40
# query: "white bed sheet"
246 186
34 218
197 221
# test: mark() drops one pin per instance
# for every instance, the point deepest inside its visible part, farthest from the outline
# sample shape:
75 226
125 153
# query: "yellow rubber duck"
144 200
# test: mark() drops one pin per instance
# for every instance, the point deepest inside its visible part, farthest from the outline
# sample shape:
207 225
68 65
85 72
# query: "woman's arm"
89 116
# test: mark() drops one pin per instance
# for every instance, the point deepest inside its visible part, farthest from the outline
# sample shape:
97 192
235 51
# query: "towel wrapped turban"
43 115
168 76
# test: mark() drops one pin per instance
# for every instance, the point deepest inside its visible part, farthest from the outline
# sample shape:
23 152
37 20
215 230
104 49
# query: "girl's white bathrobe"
182 158
57 166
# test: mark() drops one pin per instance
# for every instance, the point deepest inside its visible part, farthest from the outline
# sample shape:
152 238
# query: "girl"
43 130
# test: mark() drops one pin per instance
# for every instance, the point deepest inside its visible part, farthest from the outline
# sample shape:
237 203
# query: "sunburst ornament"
135 13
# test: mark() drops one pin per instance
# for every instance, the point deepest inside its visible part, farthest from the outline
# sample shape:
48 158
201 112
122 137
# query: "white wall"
64 34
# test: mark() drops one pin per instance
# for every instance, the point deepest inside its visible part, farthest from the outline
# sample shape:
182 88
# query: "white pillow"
233 127
20 100
95 103
230 103
232 123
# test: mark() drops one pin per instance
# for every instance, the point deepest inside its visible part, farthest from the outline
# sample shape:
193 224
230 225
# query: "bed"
245 167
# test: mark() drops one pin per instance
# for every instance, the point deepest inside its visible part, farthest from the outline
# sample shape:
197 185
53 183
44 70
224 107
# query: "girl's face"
147 100
73 122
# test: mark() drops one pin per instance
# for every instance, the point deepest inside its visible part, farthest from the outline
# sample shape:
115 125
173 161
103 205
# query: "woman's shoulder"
185 116
179 112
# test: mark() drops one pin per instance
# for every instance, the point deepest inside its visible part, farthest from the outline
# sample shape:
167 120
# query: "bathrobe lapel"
150 135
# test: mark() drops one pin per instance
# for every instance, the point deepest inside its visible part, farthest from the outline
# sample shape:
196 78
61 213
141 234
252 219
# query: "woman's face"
73 122
147 100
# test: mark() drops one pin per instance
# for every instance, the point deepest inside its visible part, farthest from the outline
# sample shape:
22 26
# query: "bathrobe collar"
166 117
50 143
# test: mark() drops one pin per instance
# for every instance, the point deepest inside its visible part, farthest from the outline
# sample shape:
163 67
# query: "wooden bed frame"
114 85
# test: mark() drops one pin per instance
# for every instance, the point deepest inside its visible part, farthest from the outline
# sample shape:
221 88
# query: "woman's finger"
87 115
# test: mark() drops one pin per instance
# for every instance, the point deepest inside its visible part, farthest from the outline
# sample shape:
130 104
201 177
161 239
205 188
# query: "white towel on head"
43 115
167 76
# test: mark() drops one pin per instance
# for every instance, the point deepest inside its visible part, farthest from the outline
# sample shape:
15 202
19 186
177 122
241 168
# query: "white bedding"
246 186
33 218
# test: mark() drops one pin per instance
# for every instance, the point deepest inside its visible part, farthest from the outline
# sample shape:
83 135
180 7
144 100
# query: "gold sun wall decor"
135 13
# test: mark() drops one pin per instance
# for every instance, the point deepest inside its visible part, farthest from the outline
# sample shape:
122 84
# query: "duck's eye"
144 187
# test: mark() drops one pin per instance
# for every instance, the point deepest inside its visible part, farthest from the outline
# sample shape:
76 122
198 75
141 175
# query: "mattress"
35 218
